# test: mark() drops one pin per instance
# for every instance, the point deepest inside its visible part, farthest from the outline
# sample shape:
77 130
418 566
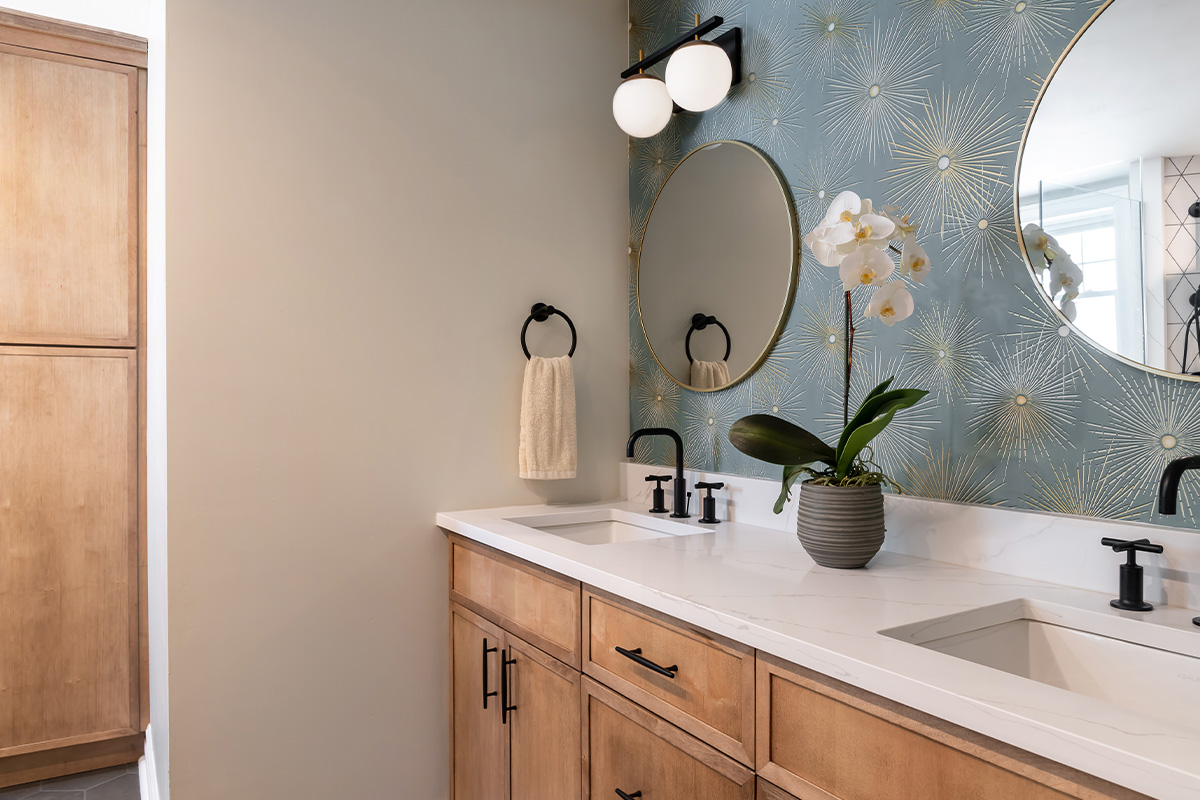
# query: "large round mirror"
1109 181
718 265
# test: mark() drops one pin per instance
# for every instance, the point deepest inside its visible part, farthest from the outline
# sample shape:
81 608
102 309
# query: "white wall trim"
147 777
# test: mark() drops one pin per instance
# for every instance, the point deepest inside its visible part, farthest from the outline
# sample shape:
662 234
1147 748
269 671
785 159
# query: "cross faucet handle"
1131 545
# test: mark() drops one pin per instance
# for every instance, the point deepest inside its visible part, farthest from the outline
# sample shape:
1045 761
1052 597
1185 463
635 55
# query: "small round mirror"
718 266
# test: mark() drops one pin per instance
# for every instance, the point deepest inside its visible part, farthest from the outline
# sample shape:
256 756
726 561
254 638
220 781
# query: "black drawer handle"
486 693
505 686
636 655
624 796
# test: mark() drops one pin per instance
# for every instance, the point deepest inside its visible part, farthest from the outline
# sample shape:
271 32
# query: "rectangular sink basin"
1144 667
605 526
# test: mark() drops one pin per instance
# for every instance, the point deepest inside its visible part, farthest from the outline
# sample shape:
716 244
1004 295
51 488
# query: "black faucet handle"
1131 546
709 487
660 478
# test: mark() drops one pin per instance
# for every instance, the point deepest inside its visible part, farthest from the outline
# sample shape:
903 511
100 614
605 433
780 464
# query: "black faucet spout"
679 489
1168 487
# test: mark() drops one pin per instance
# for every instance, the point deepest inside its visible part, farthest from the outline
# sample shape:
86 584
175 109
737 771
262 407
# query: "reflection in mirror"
1109 170
718 265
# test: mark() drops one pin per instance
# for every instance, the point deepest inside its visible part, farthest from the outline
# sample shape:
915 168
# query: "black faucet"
680 510
1131 572
1168 488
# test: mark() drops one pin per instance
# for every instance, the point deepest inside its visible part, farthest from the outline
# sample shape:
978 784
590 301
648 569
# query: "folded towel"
549 449
709 375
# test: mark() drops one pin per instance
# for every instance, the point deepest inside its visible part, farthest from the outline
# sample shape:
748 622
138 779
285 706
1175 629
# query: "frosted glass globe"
642 105
699 76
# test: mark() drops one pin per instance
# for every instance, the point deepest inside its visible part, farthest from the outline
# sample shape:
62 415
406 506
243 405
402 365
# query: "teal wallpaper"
920 103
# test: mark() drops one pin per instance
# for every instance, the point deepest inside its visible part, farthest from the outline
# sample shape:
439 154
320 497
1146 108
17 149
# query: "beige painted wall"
363 201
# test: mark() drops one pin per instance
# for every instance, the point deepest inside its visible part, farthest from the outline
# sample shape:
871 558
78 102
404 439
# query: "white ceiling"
1127 90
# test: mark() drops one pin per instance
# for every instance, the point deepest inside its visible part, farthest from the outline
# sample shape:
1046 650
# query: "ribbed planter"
840 526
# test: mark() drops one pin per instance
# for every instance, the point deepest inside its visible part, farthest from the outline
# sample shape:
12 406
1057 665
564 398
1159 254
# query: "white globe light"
642 105
699 76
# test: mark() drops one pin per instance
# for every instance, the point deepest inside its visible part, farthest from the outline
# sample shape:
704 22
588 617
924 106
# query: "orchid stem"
849 362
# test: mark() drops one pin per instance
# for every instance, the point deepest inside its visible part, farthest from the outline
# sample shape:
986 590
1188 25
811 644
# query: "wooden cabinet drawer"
629 749
821 739
536 604
711 693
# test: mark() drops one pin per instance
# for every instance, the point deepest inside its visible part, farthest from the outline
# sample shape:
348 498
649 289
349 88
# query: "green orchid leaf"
778 441
866 412
886 406
790 475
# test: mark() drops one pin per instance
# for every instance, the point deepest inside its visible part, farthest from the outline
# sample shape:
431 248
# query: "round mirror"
718 265
1108 184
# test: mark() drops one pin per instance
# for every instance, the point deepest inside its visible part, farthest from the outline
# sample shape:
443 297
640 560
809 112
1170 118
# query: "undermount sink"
604 526
1144 667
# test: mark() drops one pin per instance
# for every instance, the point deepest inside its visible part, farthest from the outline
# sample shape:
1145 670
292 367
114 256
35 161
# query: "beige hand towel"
549 449
709 374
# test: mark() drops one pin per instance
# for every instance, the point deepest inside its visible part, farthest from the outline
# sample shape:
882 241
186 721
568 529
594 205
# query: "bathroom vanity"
600 652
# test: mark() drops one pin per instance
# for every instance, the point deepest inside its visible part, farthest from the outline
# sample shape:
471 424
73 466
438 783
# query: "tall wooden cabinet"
73 687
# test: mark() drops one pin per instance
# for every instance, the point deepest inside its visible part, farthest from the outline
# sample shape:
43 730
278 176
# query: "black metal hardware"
486 693
1168 487
660 495
1194 211
730 42
1191 327
624 796
709 502
636 655
699 323
505 684
680 505
1196 622
1131 573
540 312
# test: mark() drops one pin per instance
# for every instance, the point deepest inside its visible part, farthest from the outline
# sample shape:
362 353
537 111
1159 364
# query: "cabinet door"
69 200
70 654
544 729
479 750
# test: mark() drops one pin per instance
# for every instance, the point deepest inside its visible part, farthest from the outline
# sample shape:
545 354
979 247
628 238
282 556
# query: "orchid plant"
1057 272
861 243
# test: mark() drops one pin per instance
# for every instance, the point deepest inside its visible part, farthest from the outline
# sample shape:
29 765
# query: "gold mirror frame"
1017 215
793 277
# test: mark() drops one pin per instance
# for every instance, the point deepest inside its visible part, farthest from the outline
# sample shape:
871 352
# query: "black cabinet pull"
636 655
624 796
486 693
505 663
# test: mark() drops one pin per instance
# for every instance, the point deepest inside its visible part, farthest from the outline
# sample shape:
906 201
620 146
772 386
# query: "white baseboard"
147 779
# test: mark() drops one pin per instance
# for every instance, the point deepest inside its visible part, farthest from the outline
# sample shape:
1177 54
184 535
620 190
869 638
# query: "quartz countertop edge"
758 587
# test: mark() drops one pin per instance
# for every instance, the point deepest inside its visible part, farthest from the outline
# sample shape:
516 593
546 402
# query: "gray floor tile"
82 781
18 792
50 794
122 788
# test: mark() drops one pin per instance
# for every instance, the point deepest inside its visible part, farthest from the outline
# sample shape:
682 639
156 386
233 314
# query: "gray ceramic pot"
840 526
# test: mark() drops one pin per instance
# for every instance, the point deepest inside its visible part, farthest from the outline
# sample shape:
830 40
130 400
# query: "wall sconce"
699 75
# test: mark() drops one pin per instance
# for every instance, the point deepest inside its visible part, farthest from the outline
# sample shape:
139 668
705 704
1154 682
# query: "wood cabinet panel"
69 200
712 692
544 728
479 743
70 645
820 739
768 791
630 749
535 604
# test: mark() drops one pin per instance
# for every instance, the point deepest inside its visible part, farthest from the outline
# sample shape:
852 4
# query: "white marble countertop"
759 587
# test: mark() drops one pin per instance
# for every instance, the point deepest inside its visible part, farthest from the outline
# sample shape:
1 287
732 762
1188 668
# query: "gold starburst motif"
907 431
771 395
876 85
1013 32
821 339
937 19
769 54
1147 423
637 226
1088 490
657 399
829 29
944 476
776 126
707 418
783 356
732 11
654 158
646 33
982 237
1023 405
1042 331
817 184
944 351
640 362
950 155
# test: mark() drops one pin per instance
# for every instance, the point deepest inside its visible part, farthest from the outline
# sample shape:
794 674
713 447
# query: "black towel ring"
699 323
540 313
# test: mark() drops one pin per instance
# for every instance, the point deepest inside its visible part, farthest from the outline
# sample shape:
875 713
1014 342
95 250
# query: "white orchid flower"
1040 245
827 254
1069 310
870 230
914 261
906 226
892 303
1068 276
846 207
866 266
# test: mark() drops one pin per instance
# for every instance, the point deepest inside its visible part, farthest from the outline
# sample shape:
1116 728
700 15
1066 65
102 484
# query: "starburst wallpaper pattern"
920 102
